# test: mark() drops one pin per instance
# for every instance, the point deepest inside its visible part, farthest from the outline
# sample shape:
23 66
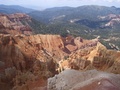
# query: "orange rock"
12 24
33 59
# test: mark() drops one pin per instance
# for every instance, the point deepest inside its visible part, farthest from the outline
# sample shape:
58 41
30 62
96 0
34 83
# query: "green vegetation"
85 22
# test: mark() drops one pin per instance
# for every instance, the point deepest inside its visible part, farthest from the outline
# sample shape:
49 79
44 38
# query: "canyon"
28 61
31 61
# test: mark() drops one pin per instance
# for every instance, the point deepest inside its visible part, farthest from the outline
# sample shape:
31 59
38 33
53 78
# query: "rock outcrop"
96 57
15 24
89 80
112 20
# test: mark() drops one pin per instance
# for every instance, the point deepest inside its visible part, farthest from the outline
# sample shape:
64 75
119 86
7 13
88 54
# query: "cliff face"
34 45
24 61
23 58
96 57
15 24
28 61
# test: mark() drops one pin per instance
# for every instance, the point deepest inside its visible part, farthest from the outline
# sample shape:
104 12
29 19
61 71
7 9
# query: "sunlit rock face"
96 57
34 58
15 24
89 80
26 62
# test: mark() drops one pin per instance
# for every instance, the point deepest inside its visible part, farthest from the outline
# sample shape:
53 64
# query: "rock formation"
96 57
15 24
112 18
89 80
23 58
26 62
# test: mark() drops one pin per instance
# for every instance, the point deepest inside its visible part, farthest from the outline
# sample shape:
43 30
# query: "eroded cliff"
15 24
26 62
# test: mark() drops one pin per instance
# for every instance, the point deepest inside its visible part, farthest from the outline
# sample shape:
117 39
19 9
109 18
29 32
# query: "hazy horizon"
43 4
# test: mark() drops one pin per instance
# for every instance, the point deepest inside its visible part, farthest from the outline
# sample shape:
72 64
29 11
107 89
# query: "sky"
42 4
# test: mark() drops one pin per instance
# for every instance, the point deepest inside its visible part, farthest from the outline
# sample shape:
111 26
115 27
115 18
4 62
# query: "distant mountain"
69 13
51 13
86 21
10 9
89 21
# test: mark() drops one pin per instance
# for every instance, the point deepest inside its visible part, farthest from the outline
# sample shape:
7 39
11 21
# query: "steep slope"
20 23
15 24
23 59
28 61
96 57
24 62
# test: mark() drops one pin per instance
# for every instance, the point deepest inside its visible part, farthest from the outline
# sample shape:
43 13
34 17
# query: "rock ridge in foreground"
88 80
